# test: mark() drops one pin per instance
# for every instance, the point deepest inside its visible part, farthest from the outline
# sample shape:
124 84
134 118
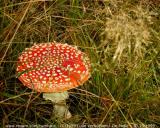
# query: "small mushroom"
53 68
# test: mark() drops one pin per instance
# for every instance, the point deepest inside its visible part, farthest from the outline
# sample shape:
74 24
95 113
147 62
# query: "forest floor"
122 40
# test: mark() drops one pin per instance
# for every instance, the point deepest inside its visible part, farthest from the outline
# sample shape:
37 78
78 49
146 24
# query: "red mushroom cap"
53 67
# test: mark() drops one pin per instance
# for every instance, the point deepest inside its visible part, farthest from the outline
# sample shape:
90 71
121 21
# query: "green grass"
122 39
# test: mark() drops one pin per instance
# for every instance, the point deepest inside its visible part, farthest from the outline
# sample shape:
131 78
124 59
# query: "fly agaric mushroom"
53 68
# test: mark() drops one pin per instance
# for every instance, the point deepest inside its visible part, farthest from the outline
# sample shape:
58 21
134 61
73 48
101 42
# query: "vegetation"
122 39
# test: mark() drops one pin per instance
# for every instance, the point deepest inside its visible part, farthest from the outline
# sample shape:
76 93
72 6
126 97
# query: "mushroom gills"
60 107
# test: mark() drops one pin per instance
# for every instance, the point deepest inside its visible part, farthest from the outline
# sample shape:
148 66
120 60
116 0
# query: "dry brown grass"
127 33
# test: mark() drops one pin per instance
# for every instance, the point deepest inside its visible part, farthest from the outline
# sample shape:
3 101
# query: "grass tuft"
127 33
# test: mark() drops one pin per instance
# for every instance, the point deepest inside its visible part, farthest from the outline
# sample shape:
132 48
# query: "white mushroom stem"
60 107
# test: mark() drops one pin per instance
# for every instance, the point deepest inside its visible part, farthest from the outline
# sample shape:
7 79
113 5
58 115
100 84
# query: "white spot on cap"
58 70
31 63
28 66
54 74
70 69
30 52
64 76
30 56
56 78
76 65
44 52
67 79
60 73
79 71
48 74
